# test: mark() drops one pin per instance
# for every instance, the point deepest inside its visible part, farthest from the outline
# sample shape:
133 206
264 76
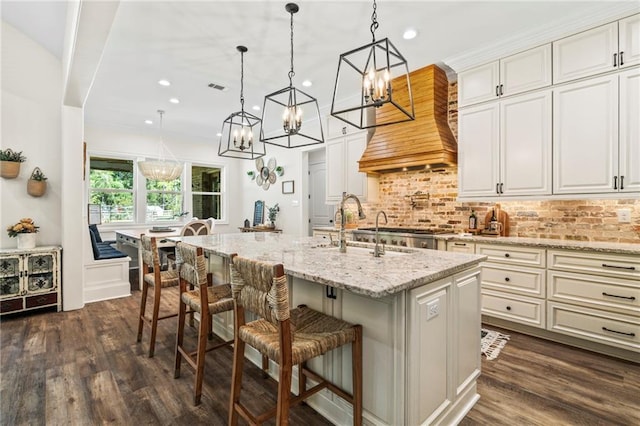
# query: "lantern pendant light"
290 117
161 169
238 139
383 95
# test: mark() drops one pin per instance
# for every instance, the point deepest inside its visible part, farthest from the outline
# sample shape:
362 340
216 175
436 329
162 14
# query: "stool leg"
302 379
154 319
180 337
202 347
356 361
143 306
284 394
236 379
265 366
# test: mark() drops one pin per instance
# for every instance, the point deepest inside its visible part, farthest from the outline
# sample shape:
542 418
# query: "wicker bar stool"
205 299
158 280
289 337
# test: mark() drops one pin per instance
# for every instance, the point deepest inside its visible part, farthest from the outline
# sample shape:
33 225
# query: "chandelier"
161 169
290 117
365 83
237 139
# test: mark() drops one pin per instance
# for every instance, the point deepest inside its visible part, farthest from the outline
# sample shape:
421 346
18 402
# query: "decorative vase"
9 169
27 241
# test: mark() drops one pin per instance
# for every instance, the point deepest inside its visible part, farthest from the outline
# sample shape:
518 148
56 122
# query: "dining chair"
157 279
288 337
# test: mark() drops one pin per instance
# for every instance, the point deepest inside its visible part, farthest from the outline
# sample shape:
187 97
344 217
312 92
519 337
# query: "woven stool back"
194 267
150 251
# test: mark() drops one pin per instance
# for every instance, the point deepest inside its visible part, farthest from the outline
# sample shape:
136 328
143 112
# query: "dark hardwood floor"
84 367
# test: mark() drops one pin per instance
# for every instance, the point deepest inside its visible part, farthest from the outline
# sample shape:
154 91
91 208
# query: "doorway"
321 214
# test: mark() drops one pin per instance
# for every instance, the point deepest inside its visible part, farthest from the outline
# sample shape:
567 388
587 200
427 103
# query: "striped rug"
492 343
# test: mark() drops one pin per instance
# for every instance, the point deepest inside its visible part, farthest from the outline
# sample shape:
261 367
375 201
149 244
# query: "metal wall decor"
161 169
238 139
364 83
290 117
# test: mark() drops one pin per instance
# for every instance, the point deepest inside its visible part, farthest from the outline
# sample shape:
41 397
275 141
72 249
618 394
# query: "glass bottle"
493 223
473 220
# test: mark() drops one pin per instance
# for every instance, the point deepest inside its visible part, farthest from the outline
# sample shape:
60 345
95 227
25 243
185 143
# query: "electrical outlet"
433 309
624 215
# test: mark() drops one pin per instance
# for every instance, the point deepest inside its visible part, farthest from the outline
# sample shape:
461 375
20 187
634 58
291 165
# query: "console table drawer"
612 294
612 265
520 309
42 300
513 255
618 330
11 305
521 280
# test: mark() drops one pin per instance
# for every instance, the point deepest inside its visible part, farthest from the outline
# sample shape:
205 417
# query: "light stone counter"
310 258
603 247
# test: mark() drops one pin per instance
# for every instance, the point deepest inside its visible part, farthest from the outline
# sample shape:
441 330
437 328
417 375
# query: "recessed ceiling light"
148 122
164 82
307 83
256 107
174 100
409 34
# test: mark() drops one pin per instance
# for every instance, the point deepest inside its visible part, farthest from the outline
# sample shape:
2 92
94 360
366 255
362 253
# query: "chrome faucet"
343 219
378 251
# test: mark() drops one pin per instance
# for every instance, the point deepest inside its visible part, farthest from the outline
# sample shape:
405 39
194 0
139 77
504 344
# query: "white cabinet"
598 50
505 147
515 74
589 156
461 247
343 154
29 279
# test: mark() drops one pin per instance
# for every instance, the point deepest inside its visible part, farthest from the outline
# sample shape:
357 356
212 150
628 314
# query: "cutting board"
503 218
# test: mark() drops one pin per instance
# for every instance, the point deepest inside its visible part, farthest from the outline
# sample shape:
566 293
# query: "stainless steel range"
404 237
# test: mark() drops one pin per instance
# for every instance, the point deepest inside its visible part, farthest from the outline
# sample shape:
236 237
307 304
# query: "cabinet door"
584 54
335 169
525 144
629 42
41 276
478 84
478 156
525 71
10 270
630 131
356 182
585 135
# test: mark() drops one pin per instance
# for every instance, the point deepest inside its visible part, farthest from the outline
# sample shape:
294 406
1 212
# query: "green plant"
38 175
25 226
273 212
10 155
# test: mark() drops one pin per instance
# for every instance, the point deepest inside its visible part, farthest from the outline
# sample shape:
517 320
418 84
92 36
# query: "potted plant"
10 163
273 213
37 183
25 231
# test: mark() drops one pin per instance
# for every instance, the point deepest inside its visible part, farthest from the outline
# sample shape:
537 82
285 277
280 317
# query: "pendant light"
238 139
161 169
373 77
290 117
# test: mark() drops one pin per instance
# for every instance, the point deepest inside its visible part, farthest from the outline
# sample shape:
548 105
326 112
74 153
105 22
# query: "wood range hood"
426 141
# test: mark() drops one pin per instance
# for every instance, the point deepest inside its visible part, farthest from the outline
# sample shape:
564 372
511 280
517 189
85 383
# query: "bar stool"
205 299
289 337
158 280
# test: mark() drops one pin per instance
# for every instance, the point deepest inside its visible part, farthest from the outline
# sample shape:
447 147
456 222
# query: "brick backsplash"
586 220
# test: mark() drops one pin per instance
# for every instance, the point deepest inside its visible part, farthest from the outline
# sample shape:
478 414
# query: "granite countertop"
603 247
357 271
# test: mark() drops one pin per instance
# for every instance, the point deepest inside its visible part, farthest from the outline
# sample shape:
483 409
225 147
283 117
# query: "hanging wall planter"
10 163
37 183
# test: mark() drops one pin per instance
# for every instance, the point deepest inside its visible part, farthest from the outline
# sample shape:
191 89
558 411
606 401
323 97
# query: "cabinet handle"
621 59
460 244
618 332
630 268
615 60
497 90
507 255
501 91
508 308
497 188
501 190
615 182
507 279
619 297
621 182
330 292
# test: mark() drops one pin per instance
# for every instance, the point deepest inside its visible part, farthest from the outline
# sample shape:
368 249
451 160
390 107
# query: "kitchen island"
420 312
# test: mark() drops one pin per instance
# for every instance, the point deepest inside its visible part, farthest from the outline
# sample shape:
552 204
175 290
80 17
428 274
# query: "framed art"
287 187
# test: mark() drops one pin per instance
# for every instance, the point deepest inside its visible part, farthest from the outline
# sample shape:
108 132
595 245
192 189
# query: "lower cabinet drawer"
42 300
608 264
612 294
10 305
513 279
525 310
618 330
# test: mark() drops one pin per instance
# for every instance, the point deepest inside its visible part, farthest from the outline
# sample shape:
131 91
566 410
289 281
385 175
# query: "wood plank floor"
85 368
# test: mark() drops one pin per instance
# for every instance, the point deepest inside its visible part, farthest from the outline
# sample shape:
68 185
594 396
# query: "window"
111 186
206 190
164 200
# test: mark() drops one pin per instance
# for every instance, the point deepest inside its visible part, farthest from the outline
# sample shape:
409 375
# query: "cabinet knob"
508 308
507 279
507 255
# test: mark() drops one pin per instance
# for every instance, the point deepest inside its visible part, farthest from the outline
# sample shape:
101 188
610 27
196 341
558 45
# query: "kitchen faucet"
343 219
378 251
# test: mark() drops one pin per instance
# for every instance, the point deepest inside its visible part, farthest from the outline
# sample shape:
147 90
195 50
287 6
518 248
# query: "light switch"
295 203
624 215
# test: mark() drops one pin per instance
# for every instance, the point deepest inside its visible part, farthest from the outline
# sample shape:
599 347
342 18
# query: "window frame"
112 190
222 193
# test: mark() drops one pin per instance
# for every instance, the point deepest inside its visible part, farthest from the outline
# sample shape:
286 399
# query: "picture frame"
288 187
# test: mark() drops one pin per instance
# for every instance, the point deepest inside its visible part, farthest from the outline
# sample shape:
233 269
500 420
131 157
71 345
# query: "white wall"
31 122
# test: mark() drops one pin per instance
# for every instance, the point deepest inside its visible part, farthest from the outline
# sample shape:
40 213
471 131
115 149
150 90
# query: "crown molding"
600 14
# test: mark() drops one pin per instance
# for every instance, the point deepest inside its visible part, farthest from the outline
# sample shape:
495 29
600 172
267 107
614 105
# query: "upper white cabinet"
605 48
505 147
343 154
597 142
514 74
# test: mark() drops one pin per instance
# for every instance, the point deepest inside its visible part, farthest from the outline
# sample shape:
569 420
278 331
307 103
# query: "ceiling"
192 44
